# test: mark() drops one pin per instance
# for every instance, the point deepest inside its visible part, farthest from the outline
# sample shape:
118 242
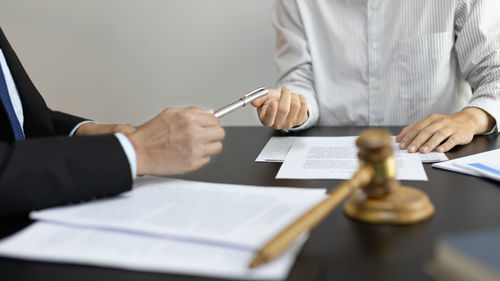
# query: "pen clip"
254 92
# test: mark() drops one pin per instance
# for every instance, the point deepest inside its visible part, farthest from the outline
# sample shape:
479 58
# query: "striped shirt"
389 62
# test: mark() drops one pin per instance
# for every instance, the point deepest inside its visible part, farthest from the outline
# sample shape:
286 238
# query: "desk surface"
339 249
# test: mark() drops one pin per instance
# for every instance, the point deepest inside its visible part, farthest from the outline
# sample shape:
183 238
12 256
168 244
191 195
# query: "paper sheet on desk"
277 148
50 242
336 158
246 216
461 165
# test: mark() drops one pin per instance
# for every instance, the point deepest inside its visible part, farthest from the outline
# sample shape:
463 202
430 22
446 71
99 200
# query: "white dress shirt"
128 148
389 62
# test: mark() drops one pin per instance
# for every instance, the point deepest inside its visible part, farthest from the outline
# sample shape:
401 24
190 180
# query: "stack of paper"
485 164
277 149
333 158
170 226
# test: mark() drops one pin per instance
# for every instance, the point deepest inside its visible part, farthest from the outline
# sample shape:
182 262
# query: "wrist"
85 129
482 121
134 139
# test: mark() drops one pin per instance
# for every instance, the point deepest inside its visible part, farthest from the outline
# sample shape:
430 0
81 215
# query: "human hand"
454 129
281 110
176 141
102 129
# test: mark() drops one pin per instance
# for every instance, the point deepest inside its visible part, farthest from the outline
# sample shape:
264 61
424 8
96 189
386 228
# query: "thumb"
260 101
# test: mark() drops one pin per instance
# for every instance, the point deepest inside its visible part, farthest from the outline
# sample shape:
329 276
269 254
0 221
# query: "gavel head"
375 151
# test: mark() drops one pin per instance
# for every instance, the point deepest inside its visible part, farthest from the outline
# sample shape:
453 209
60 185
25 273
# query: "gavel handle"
309 220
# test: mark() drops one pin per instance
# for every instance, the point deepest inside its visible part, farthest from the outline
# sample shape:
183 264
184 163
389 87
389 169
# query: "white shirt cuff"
78 126
129 150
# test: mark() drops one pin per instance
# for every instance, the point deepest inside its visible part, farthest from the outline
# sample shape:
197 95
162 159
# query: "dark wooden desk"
339 249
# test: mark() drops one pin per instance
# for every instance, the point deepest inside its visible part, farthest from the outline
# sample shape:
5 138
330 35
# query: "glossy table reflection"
339 249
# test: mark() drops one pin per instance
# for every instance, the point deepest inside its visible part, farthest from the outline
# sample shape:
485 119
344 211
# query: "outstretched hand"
176 141
445 131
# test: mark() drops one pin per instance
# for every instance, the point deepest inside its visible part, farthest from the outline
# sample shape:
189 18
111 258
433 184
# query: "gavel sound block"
375 197
383 200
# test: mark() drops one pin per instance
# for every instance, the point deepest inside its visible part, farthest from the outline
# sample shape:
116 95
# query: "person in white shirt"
432 66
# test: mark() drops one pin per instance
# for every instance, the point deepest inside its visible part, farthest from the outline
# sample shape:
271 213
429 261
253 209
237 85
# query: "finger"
261 111
211 134
302 116
268 119
205 119
423 136
454 140
283 108
402 134
449 144
294 111
271 94
212 148
413 131
199 163
438 137
260 101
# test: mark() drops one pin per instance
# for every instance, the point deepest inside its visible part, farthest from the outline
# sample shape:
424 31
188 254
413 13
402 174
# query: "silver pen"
242 102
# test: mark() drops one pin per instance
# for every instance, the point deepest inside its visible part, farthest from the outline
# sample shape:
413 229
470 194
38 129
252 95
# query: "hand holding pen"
283 110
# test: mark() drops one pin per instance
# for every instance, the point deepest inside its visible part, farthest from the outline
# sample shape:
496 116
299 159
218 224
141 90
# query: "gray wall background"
126 60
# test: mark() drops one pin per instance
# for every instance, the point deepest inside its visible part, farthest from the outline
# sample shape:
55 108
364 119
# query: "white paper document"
234 215
485 164
336 158
277 148
50 242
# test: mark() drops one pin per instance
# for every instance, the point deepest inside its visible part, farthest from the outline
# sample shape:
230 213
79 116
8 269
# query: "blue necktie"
7 104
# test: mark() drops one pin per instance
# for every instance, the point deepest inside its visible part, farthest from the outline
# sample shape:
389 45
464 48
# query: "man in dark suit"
49 158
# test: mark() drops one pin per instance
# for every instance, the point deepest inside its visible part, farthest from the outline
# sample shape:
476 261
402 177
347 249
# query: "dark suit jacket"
49 168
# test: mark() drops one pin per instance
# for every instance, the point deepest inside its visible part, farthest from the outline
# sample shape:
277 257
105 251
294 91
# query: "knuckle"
282 109
442 133
453 140
268 123
187 117
303 100
465 139
295 105
428 131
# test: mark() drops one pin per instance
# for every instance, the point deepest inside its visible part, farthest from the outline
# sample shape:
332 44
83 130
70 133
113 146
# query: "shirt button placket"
373 46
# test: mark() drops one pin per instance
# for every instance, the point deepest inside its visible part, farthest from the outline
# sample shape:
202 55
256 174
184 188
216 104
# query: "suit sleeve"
45 172
64 123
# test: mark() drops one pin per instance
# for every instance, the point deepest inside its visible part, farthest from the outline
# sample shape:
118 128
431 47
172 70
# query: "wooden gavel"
377 197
